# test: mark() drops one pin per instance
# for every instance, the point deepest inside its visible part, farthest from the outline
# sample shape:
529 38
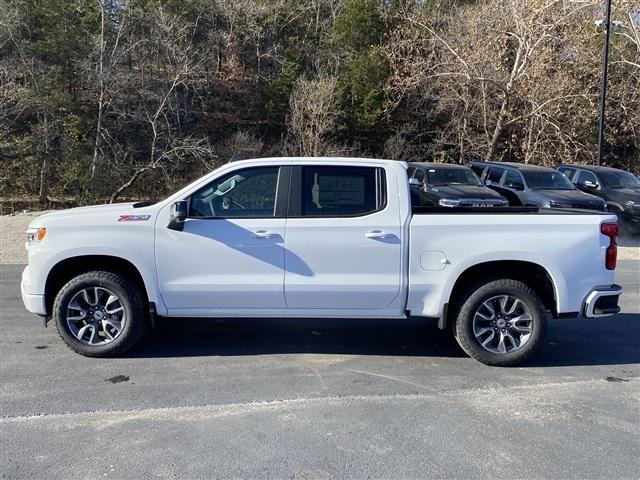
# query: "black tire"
131 300
471 300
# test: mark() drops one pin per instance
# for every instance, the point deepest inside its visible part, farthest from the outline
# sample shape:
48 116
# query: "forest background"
102 100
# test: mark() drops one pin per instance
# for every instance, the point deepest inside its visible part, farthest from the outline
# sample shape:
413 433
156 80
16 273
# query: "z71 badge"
133 218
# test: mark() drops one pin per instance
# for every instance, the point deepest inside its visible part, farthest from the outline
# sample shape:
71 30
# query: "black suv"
449 185
535 186
619 188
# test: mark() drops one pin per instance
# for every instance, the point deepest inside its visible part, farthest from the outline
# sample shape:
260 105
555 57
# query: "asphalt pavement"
319 399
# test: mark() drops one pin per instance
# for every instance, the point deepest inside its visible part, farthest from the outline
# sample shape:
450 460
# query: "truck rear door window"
342 191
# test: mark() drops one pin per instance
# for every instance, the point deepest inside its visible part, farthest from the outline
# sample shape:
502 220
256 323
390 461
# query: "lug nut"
504 330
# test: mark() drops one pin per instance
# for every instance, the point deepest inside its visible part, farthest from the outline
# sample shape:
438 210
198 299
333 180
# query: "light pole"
603 86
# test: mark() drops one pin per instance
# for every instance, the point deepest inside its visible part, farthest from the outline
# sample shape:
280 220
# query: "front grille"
590 207
481 202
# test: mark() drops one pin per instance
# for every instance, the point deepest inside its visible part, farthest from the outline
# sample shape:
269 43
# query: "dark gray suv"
618 188
532 185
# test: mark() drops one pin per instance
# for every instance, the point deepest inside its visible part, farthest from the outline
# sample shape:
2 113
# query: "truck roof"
592 168
319 160
516 165
437 165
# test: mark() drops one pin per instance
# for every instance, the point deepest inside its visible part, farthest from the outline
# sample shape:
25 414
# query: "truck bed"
444 242
420 210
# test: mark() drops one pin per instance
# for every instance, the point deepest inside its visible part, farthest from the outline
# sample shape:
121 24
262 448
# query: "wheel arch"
70 267
532 274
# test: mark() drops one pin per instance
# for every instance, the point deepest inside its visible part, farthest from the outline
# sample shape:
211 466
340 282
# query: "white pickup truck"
318 237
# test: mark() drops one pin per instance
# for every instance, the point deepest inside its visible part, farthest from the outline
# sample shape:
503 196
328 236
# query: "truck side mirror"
179 212
590 185
414 182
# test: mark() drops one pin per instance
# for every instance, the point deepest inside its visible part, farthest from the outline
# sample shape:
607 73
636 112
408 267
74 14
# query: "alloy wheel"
96 316
502 324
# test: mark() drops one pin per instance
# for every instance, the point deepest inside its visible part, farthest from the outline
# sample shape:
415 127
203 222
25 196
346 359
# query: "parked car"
618 188
449 185
318 237
532 185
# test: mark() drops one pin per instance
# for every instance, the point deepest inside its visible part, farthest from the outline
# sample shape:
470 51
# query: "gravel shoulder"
12 249
12 229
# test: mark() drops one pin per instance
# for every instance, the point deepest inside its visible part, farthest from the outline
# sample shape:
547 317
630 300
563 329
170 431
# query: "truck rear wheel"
500 322
99 314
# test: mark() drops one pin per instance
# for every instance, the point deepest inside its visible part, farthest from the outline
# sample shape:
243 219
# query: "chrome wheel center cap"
500 323
98 315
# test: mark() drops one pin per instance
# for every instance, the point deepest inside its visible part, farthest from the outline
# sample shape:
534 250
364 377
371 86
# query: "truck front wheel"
99 314
500 322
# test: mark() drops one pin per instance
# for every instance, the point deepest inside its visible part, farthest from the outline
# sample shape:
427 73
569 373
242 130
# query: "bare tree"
11 23
178 62
504 79
108 57
313 116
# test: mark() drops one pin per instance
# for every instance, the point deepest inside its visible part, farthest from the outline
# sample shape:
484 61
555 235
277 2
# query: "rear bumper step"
602 301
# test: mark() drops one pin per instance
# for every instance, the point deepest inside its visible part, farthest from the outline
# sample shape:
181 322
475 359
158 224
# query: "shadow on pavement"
609 341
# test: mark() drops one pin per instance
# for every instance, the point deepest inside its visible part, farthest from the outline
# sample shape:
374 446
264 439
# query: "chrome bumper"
602 301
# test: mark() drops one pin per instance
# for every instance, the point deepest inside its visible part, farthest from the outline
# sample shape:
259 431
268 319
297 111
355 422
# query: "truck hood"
622 195
115 208
574 198
464 191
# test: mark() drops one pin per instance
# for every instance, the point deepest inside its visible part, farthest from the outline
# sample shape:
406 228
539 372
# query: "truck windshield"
452 176
547 181
617 180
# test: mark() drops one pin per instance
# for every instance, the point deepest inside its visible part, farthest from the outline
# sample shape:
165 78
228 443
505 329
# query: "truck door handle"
376 234
263 234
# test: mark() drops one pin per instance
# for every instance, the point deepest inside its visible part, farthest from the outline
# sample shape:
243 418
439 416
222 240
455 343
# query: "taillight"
611 231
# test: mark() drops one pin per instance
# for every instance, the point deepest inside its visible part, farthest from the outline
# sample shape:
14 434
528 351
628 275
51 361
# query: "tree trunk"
44 185
96 144
497 131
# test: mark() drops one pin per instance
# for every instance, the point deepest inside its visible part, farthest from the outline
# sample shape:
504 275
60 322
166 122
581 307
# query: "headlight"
553 204
35 235
449 202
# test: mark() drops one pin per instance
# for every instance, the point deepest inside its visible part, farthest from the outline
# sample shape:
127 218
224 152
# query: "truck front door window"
495 175
246 193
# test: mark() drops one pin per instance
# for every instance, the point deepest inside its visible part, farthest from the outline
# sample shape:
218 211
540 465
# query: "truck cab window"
495 175
341 191
568 172
585 176
244 193
478 170
514 180
419 175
